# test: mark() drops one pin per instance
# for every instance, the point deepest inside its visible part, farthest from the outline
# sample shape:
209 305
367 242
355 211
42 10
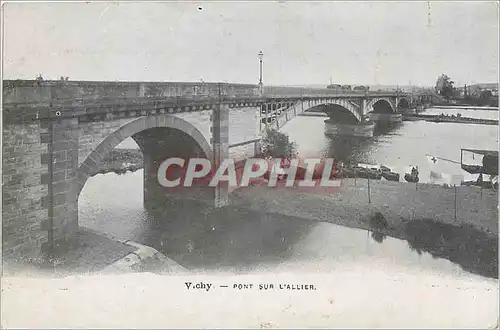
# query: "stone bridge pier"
157 145
349 124
160 143
386 111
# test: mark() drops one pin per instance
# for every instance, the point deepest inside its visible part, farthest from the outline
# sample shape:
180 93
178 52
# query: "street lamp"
261 55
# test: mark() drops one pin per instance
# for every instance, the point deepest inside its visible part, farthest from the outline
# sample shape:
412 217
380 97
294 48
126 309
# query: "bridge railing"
286 91
29 92
64 94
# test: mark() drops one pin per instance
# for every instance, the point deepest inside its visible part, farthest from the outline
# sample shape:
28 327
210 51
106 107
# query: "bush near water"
120 161
277 144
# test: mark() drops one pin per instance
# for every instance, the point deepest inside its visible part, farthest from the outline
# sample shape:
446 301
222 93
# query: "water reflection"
197 236
397 147
473 249
236 239
378 237
386 128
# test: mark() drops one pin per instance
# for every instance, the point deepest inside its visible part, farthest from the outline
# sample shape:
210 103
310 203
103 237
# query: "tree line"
446 88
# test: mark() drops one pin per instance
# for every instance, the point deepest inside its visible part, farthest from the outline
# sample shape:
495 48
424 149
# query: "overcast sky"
303 43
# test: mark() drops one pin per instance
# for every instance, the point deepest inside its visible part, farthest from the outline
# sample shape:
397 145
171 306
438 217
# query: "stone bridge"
56 134
350 114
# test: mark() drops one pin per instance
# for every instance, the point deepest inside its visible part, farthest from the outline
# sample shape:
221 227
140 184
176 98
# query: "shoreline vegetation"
397 210
121 161
449 119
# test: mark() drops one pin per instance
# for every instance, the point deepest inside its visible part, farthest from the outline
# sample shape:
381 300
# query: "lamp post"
261 55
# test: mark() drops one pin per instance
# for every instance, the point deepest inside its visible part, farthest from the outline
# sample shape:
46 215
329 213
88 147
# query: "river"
404 146
113 204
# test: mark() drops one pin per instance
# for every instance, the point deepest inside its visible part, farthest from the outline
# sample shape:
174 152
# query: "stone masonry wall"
199 119
244 124
64 174
243 127
26 161
91 134
23 188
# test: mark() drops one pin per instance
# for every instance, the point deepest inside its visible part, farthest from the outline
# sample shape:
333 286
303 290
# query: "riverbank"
120 161
449 119
89 252
262 225
93 252
465 107
423 215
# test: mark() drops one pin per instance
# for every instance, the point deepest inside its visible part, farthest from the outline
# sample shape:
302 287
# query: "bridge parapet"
285 91
33 91
38 93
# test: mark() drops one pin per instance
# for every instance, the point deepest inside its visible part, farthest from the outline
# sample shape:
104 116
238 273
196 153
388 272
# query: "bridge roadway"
25 100
57 133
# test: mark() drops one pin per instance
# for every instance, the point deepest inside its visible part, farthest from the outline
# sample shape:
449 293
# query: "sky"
370 43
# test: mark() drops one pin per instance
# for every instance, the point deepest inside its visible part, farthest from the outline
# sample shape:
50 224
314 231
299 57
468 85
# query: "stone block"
61 187
64 165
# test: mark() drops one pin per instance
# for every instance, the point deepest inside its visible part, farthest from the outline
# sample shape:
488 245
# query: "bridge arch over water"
340 109
158 138
403 103
345 114
381 105
343 110
387 105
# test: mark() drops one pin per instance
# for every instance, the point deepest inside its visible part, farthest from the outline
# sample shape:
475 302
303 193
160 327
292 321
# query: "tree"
277 144
486 94
444 86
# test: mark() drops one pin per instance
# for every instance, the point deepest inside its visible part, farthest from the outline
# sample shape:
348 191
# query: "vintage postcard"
250 164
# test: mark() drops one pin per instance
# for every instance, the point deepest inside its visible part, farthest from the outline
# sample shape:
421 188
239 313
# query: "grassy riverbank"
262 225
423 215
120 161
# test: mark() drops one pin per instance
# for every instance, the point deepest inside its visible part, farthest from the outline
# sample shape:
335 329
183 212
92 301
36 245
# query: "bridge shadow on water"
346 149
354 149
202 237
382 128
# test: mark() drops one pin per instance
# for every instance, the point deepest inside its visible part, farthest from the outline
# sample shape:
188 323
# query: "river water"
406 145
113 204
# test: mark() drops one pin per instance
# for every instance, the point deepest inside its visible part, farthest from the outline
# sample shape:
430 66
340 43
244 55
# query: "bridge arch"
380 105
136 130
403 103
330 107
